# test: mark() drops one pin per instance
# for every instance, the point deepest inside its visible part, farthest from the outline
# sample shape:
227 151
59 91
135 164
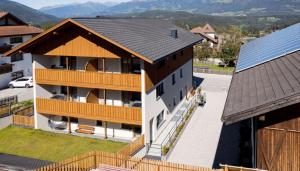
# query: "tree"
231 47
203 51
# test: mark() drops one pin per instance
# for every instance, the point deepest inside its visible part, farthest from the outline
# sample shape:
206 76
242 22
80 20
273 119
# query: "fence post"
95 160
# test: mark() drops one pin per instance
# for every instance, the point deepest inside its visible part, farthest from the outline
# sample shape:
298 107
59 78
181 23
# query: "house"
116 78
265 90
14 31
209 35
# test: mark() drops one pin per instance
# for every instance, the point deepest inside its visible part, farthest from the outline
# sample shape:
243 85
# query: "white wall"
24 65
152 107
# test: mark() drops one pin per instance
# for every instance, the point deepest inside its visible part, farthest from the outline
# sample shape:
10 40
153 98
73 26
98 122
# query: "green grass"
22 104
50 146
215 67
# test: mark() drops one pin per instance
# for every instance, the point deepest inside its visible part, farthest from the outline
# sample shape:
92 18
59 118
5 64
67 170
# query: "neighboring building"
266 89
120 77
209 35
14 31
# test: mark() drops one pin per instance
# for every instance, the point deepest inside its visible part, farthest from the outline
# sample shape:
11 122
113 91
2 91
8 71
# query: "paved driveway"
23 93
204 139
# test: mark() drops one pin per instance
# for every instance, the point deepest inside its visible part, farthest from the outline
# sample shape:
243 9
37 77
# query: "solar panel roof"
270 47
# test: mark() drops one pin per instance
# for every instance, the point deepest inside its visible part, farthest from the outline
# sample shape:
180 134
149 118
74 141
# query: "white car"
21 82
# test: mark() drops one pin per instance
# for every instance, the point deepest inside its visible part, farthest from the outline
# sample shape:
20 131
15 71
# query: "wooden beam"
69 125
105 130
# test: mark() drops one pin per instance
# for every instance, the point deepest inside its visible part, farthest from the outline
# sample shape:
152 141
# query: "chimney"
174 33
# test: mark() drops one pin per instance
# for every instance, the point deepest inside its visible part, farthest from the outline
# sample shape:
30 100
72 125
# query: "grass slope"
50 146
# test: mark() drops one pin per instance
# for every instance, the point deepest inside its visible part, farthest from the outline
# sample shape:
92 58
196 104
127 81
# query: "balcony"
116 114
5 68
89 79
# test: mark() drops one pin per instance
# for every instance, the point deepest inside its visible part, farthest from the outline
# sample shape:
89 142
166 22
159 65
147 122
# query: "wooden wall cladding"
74 41
278 140
154 74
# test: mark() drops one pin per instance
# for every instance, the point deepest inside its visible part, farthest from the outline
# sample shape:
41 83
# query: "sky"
37 4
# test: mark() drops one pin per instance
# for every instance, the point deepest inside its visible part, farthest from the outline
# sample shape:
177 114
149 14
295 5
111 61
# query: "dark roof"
266 87
148 37
272 46
16 19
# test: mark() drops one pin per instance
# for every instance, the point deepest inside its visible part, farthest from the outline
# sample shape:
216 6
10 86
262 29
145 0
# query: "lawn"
50 146
215 67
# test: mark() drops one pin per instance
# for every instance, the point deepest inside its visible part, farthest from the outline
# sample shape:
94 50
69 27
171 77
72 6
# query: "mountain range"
26 13
211 7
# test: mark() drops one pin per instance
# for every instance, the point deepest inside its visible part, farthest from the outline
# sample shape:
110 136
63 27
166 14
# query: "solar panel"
270 47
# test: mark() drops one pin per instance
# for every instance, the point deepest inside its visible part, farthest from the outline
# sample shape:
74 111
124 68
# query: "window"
16 75
173 79
174 57
73 120
174 101
159 90
159 119
22 79
16 57
99 123
182 53
16 40
181 95
181 74
161 63
136 129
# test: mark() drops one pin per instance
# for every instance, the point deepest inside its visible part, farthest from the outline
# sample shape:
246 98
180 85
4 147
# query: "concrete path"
200 140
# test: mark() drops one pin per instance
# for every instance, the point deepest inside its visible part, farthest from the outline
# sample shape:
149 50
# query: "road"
204 139
22 93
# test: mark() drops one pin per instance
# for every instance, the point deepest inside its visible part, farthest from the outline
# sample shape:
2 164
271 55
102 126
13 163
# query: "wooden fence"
133 147
4 110
23 120
236 168
24 111
92 160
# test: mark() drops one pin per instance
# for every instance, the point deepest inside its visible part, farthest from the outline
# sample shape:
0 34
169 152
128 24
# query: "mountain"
73 10
25 13
184 19
212 7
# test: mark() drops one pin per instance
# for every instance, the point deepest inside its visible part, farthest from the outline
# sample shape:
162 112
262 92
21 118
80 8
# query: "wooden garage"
265 89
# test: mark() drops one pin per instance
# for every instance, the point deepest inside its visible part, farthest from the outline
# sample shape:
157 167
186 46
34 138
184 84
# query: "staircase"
154 152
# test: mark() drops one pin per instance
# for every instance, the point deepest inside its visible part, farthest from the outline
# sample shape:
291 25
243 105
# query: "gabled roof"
268 84
18 30
270 47
208 29
204 32
148 39
16 19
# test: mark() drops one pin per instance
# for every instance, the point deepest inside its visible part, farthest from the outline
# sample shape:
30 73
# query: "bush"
165 149
22 104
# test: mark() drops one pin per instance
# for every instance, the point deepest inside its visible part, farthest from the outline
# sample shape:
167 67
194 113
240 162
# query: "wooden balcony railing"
87 79
5 68
117 114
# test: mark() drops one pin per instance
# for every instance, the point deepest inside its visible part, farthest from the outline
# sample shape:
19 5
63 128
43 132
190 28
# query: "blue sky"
42 3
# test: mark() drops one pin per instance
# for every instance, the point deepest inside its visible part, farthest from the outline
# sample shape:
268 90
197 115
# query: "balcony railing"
87 79
116 114
5 68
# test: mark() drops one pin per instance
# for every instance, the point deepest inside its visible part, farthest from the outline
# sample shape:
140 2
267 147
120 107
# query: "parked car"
21 82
